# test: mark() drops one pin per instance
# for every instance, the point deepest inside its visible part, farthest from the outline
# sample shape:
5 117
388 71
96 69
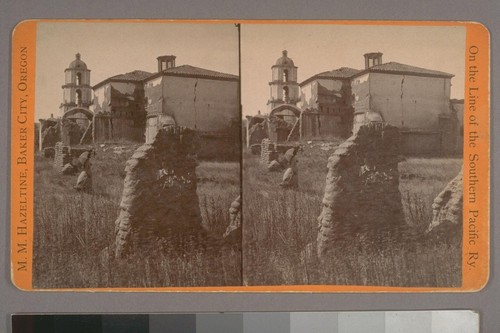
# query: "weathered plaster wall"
458 107
361 93
201 104
318 92
153 94
101 99
412 102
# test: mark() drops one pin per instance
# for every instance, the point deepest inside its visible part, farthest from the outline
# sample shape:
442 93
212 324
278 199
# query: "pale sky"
110 49
316 48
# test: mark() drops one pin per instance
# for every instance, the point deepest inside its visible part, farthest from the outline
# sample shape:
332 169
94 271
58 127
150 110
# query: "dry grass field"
280 229
74 232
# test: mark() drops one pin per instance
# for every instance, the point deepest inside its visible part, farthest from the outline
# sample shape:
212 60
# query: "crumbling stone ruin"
291 174
234 219
273 156
159 196
362 189
64 156
447 206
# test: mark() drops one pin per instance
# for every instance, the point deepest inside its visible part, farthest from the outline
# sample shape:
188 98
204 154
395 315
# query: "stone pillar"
159 195
268 152
362 189
62 155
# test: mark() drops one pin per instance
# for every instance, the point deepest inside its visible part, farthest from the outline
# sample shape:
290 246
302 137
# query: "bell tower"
76 89
284 86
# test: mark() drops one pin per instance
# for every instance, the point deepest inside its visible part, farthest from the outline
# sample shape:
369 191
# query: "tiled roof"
132 76
339 73
397 68
191 71
184 70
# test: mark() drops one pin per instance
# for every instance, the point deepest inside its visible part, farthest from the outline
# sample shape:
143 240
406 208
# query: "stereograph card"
316 156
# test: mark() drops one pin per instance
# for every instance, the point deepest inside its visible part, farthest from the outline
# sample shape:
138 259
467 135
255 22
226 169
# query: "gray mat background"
12 300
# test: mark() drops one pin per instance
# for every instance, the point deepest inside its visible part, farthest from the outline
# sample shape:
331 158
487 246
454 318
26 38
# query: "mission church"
336 103
135 105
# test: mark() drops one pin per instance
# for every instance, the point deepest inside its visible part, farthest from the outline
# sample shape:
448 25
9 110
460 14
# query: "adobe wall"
158 204
362 189
447 206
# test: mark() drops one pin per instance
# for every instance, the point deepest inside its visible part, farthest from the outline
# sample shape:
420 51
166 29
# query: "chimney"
165 62
373 59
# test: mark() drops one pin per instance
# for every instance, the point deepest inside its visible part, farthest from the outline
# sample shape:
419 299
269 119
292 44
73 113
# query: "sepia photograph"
137 155
353 139
255 156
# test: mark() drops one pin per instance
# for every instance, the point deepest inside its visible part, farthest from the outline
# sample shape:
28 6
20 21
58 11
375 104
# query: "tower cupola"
284 86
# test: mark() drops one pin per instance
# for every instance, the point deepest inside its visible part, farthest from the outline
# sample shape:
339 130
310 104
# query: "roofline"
318 76
371 70
196 76
110 79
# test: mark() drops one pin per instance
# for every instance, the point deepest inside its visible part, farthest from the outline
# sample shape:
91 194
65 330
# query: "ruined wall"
315 125
257 133
362 190
278 130
119 112
116 129
102 97
64 154
71 132
360 87
159 197
50 135
321 93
